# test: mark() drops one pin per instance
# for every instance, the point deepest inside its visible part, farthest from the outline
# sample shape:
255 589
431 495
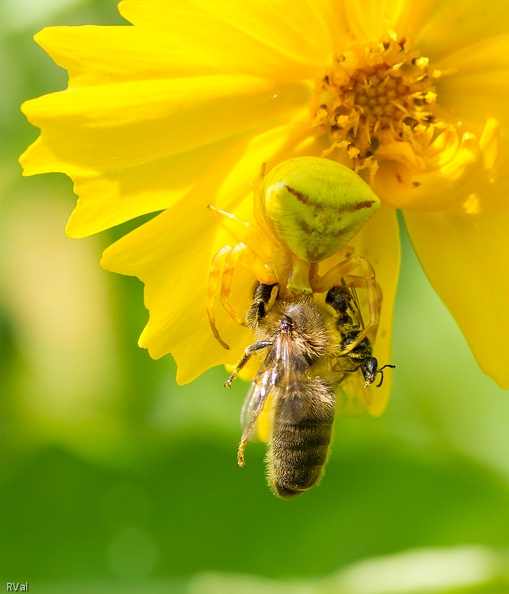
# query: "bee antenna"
382 373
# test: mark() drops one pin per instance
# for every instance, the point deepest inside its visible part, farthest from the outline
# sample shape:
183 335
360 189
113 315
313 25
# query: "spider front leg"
215 276
221 274
344 269
224 263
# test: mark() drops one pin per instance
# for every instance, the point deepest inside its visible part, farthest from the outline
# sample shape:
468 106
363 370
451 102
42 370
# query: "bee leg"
253 348
240 453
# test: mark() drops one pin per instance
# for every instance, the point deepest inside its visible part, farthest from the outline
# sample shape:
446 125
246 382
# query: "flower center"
375 95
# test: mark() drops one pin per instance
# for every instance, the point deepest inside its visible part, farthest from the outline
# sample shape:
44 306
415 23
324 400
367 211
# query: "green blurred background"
114 479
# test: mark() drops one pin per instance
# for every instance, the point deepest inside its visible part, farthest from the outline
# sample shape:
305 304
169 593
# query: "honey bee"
301 371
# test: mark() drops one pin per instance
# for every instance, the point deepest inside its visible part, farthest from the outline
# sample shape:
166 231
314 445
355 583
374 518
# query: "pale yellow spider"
306 210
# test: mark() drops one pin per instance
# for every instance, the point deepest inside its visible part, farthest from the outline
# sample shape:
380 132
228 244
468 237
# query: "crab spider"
306 210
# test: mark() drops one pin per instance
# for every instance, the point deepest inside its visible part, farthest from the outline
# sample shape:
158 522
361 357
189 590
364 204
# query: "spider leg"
249 233
221 277
216 271
242 254
221 274
368 280
239 253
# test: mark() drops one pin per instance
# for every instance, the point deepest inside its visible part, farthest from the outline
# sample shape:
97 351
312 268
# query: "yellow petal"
368 20
262 38
479 86
409 18
171 255
466 261
124 124
440 28
458 171
113 197
97 55
109 138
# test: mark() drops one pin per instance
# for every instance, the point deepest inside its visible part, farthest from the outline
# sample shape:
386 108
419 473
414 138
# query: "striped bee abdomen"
300 439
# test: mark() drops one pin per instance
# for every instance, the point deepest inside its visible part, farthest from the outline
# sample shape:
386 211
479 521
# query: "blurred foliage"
115 479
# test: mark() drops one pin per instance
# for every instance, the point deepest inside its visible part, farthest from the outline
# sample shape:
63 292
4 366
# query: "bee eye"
287 323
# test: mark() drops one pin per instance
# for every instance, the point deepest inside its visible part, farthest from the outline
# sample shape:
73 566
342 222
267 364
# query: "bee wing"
278 376
351 396
355 304
260 388
353 399
292 404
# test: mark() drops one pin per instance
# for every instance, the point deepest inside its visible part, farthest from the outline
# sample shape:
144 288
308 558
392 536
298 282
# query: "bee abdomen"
296 457
298 450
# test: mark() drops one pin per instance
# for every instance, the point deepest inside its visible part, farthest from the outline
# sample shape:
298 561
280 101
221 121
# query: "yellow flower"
180 109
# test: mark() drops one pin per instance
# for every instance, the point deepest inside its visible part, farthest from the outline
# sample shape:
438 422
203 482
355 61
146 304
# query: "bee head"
369 370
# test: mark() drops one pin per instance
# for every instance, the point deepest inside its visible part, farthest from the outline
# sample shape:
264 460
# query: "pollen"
375 95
